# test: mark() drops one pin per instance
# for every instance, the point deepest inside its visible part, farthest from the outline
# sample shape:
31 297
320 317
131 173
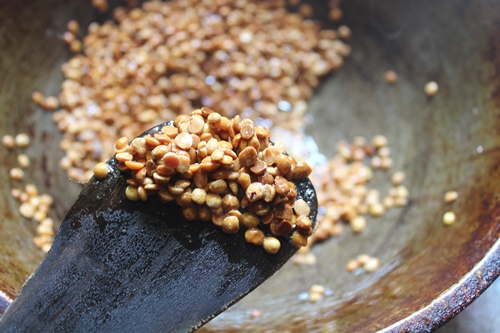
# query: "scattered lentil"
358 223
431 88
342 188
23 160
16 173
22 140
380 141
398 178
36 206
344 32
100 5
316 293
371 264
352 265
390 77
449 218
8 141
365 261
101 170
450 196
255 313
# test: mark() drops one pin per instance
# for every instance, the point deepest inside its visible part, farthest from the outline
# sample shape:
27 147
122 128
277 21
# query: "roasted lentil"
431 88
342 188
450 196
449 218
8 141
244 57
390 77
180 170
22 140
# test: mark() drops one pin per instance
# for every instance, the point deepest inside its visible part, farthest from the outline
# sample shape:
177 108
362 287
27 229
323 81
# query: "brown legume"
137 88
22 140
431 88
8 141
271 245
101 170
208 190
450 196
449 218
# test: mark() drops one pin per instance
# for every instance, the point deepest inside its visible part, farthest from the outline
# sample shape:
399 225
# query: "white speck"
210 80
328 292
207 101
479 149
246 37
247 113
315 157
92 109
267 123
475 111
303 296
274 62
284 106
132 65
196 43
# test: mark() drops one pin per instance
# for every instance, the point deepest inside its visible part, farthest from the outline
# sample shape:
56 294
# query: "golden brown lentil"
271 245
449 218
450 196
100 5
371 264
8 141
16 173
33 205
223 70
342 188
316 292
101 170
431 88
390 77
73 27
344 32
22 140
23 160
358 224
222 189
352 265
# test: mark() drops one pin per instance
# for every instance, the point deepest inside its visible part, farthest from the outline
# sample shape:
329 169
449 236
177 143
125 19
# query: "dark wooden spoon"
122 266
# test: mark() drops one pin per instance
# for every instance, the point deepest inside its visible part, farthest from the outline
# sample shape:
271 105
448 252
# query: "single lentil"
449 218
371 265
23 160
390 77
431 88
398 178
271 245
450 196
16 173
22 140
101 170
8 141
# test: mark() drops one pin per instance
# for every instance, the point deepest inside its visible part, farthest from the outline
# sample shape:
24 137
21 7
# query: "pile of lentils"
249 58
221 170
33 205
